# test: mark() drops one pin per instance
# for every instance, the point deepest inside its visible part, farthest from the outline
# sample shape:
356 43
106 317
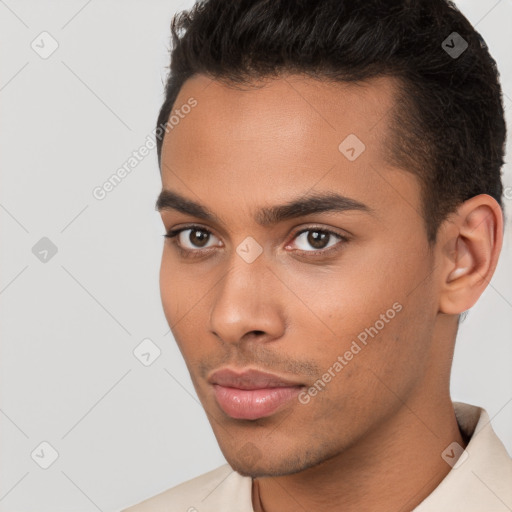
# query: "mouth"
252 394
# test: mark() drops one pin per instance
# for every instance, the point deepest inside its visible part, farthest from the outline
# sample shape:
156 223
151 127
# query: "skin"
372 439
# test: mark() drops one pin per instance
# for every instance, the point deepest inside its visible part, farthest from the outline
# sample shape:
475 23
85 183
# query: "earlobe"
475 236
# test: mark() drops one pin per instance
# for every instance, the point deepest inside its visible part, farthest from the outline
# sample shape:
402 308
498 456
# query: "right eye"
195 236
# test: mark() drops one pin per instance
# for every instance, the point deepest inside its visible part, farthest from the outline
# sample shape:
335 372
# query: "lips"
252 394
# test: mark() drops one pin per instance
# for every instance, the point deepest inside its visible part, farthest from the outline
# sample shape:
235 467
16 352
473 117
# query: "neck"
394 467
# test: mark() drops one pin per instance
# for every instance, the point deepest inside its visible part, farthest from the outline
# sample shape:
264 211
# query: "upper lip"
249 379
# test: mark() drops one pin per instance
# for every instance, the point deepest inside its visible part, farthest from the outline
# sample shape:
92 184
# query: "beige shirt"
480 481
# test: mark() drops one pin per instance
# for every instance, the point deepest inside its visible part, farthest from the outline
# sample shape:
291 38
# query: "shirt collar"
481 479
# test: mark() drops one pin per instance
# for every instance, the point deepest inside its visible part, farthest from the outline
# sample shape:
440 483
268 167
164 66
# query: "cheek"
183 286
170 289
366 321
181 300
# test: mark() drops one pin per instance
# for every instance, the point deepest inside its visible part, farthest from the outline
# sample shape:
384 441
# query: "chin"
262 470
277 466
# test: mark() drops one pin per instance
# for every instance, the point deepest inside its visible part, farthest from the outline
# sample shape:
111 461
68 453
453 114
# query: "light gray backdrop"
79 275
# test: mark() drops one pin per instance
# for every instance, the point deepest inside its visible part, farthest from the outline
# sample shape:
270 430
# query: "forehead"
290 109
279 139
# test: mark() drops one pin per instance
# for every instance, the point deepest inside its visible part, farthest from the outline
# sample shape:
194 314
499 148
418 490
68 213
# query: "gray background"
124 431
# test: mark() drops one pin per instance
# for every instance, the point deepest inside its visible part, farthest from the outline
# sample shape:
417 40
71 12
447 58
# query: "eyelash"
197 253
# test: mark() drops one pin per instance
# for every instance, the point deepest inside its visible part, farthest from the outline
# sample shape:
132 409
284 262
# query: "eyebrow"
305 205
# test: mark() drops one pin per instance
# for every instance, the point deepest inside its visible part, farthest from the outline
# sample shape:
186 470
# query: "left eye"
317 238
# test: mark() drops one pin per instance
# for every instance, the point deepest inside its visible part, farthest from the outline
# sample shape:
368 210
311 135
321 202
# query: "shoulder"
220 487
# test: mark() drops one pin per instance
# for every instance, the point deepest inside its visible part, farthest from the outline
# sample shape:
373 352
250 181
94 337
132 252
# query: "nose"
247 304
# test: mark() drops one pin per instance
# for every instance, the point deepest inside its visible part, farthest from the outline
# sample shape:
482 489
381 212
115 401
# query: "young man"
331 193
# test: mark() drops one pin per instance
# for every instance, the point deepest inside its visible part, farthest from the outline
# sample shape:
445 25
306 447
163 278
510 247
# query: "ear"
470 244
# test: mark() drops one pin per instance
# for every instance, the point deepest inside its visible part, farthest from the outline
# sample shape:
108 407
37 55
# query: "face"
332 295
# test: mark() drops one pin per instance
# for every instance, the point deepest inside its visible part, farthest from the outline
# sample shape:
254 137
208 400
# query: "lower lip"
251 404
